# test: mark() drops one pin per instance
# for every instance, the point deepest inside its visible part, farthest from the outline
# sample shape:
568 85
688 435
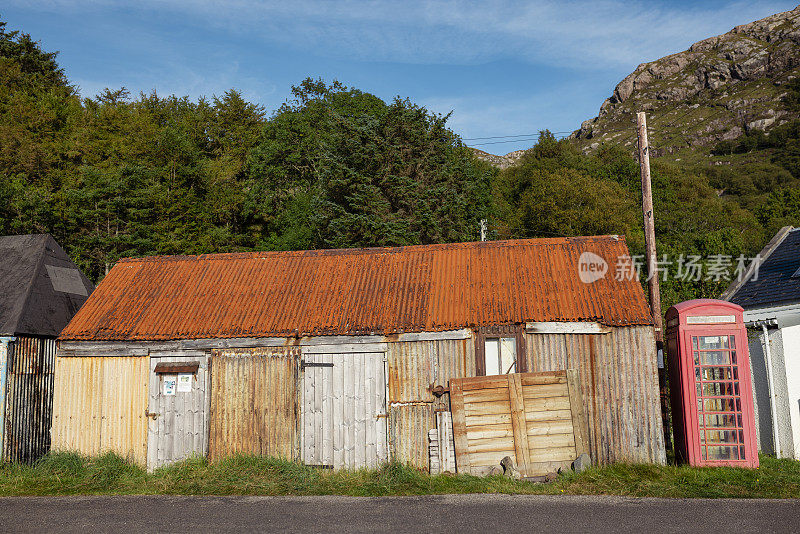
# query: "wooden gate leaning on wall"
535 418
254 402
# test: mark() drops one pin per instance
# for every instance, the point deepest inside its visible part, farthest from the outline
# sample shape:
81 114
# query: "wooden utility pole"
652 273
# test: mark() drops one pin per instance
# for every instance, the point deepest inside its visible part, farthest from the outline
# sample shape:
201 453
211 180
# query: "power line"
506 136
510 141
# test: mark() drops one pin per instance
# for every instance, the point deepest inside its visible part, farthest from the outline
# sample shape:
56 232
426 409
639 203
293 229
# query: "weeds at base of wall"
72 474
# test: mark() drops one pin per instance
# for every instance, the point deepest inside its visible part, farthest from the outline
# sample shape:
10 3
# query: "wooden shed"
343 358
40 291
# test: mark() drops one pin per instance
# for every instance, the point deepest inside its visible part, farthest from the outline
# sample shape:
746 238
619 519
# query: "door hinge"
304 364
151 415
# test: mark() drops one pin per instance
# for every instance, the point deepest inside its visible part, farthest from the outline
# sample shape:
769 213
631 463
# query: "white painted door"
344 410
178 409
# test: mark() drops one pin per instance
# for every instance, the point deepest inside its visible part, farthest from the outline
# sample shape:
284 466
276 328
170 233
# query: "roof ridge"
367 250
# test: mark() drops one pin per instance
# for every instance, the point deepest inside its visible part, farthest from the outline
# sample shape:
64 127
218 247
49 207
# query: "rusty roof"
358 291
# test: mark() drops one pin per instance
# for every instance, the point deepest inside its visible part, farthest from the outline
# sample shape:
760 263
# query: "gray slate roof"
40 288
776 284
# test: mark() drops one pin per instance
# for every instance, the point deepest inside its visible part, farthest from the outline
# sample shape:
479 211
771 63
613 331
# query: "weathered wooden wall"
99 406
28 398
254 402
619 388
414 368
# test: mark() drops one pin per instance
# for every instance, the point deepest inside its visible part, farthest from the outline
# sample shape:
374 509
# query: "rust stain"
358 291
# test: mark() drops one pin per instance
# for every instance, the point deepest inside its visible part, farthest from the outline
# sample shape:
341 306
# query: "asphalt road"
431 514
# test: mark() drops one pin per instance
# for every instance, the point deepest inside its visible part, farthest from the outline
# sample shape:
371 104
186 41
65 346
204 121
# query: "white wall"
786 389
791 356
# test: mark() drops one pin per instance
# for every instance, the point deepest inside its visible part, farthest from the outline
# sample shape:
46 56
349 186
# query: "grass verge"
72 474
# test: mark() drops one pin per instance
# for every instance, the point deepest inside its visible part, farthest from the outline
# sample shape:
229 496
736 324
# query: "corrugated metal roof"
358 291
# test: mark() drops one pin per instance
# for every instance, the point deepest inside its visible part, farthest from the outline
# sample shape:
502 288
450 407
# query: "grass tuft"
109 474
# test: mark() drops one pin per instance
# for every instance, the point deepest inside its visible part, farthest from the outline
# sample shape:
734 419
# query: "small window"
501 355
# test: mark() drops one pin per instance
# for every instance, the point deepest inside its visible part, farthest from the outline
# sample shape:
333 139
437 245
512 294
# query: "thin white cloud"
576 33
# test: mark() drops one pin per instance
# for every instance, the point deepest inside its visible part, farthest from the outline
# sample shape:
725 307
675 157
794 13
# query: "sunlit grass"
72 474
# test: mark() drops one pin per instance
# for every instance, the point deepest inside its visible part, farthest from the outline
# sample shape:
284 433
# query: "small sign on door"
185 382
170 382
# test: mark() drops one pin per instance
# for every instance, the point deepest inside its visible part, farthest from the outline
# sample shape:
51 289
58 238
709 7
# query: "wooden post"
652 274
649 225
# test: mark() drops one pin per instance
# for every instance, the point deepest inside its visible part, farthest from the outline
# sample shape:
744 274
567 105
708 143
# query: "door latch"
151 415
304 364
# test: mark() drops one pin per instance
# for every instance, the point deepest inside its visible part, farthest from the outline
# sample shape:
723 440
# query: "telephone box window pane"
721 420
713 342
699 392
696 358
694 343
697 373
718 405
721 436
722 453
717 389
741 452
703 452
733 341
717 357
736 373
739 420
733 357
716 373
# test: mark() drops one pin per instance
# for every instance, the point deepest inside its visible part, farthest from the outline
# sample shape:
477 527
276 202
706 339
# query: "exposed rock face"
717 89
501 162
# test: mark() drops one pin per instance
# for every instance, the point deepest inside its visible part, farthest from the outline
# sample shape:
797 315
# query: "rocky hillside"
720 88
501 162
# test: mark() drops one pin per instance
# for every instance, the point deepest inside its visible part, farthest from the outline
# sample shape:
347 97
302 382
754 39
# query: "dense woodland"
120 175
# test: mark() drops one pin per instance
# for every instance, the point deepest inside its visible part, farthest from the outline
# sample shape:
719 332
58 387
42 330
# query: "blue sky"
502 68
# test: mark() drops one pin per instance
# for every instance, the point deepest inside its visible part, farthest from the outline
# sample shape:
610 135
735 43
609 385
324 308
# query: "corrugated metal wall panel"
28 398
254 402
619 387
409 425
414 367
99 405
417 365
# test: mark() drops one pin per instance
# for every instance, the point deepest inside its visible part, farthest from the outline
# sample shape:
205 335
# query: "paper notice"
185 382
169 384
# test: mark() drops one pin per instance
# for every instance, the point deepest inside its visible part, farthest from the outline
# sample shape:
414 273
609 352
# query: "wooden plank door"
343 410
178 409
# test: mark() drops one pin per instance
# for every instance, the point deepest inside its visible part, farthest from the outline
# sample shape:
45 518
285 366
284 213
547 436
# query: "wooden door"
343 410
178 408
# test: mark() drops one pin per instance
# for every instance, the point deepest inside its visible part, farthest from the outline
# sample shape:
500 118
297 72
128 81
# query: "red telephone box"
712 399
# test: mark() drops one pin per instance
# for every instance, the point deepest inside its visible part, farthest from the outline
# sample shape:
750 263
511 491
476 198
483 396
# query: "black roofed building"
770 296
40 290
